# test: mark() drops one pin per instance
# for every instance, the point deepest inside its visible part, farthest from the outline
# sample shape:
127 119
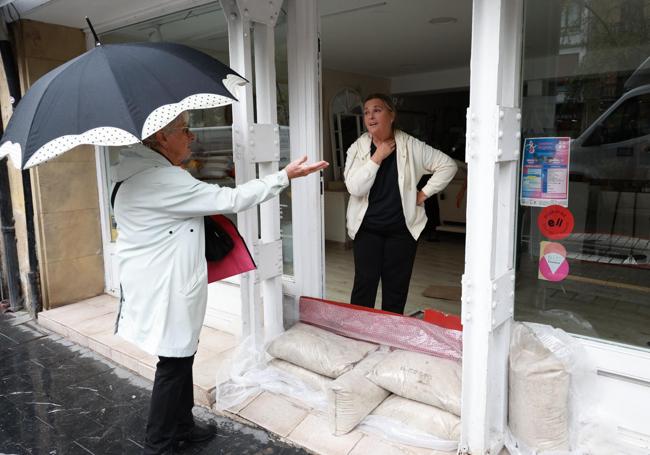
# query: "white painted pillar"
239 37
493 144
256 149
303 55
266 99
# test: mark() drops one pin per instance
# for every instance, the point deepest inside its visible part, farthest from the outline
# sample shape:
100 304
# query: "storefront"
572 71
563 77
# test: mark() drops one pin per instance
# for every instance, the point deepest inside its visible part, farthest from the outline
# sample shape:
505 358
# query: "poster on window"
545 171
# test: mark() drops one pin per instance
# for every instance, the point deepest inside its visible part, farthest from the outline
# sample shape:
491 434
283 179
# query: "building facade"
570 72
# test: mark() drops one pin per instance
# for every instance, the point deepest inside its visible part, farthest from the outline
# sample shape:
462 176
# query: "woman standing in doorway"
385 214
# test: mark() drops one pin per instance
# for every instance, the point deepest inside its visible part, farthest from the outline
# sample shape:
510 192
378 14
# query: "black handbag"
217 241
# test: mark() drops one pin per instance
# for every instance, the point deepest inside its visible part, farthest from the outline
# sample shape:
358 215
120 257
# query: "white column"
493 128
264 41
256 146
239 37
303 55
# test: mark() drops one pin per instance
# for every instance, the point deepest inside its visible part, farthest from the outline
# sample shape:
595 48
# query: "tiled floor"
436 263
308 428
90 324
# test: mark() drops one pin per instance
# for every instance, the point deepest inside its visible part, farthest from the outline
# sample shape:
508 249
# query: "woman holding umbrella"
109 96
159 211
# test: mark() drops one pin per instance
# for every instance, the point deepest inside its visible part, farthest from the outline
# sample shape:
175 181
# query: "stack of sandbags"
539 382
426 390
316 356
358 381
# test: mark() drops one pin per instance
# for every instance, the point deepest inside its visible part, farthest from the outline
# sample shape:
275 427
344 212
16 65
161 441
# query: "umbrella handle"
92 29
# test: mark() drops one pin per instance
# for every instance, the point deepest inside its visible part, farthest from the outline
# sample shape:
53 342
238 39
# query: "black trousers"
172 400
387 256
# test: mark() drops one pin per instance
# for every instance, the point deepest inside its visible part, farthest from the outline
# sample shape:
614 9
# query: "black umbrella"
114 94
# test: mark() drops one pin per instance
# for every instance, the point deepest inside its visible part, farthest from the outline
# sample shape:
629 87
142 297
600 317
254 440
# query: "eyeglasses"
184 129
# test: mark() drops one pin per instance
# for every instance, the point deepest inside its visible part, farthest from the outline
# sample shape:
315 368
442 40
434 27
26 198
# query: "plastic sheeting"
247 373
539 393
410 422
573 415
379 327
316 381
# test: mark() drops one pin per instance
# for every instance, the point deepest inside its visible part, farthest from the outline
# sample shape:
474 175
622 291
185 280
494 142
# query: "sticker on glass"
553 265
545 171
555 222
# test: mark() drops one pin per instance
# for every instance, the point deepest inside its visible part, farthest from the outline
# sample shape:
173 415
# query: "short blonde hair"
151 140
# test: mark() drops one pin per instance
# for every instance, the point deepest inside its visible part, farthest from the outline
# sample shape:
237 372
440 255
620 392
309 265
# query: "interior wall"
66 201
446 79
436 118
335 81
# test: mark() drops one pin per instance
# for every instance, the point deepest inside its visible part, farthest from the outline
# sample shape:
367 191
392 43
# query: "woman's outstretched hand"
300 167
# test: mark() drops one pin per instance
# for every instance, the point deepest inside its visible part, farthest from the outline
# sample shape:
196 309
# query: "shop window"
591 59
205 28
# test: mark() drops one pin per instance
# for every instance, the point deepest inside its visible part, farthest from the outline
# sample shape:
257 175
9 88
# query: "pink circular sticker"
553 265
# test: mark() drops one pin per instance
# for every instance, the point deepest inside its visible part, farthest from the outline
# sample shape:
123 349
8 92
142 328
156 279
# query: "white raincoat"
159 212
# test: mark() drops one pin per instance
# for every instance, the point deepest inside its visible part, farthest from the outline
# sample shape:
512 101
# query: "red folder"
239 260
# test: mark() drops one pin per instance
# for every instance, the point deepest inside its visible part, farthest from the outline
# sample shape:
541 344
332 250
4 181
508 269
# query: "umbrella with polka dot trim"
114 94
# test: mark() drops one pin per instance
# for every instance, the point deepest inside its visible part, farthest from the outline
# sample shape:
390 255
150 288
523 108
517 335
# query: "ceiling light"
443 20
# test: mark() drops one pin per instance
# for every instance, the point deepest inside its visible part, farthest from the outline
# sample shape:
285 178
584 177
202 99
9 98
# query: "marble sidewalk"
57 397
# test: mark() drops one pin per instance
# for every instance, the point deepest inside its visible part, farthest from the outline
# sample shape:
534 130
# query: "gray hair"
153 143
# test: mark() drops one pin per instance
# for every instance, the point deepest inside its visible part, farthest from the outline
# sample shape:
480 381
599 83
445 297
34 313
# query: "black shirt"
385 211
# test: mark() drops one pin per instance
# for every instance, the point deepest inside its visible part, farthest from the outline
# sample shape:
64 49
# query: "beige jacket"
414 159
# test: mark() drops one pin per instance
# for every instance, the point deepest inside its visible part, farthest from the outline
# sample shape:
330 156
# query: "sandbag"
423 417
430 380
538 393
315 381
351 397
318 350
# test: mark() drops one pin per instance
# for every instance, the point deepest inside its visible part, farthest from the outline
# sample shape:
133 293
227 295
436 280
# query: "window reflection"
586 77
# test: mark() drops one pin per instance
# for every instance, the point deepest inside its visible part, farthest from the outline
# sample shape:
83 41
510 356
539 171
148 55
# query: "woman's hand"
421 197
384 149
300 167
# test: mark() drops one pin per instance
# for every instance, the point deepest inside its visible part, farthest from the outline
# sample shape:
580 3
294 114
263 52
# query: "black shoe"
200 432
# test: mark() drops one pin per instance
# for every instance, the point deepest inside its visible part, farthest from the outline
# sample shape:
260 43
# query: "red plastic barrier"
448 321
381 327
